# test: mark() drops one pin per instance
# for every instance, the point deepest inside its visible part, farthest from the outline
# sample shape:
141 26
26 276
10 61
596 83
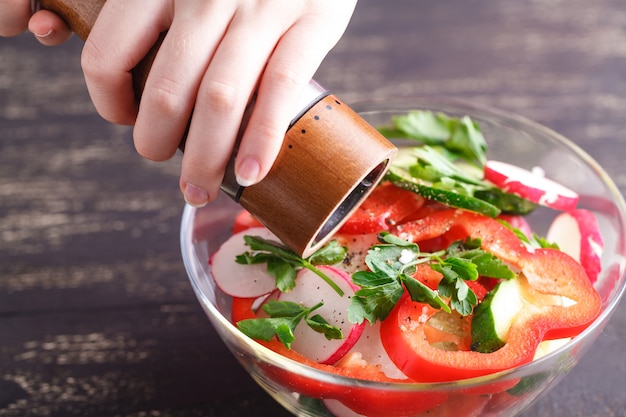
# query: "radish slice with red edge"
372 351
530 185
309 290
237 280
577 234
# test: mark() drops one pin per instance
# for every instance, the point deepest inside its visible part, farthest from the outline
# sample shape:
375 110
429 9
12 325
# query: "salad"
436 277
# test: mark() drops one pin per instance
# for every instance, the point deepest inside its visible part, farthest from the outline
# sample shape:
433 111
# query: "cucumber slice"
494 315
507 202
449 198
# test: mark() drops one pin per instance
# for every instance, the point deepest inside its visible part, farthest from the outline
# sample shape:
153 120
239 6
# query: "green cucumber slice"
449 198
507 202
493 316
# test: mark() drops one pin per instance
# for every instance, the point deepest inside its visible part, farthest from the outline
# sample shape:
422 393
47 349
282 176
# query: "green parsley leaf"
329 254
460 136
320 325
487 264
375 299
393 262
283 263
423 294
284 317
451 160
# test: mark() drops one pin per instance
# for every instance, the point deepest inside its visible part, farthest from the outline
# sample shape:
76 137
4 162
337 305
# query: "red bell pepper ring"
385 207
358 397
548 271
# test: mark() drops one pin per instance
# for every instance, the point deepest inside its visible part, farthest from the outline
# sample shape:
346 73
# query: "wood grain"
97 317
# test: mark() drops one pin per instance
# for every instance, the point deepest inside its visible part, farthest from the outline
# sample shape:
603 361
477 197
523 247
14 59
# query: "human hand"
16 16
215 56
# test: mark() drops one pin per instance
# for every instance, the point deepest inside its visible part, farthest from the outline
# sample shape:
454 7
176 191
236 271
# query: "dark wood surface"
97 317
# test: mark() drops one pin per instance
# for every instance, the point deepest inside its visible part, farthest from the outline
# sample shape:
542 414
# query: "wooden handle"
80 15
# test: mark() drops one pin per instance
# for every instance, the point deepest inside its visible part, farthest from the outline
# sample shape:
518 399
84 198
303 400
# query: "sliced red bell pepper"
385 207
548 271
431 278
363 400
245 220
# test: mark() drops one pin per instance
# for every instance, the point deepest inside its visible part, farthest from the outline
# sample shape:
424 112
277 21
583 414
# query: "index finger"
14 15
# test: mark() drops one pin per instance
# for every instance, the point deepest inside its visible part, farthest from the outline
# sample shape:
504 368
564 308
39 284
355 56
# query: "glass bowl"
305 391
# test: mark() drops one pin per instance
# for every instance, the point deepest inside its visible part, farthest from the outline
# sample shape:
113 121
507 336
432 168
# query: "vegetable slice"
549 272
447 197
310 290
577 234
237 280
493 317
530 185
386 206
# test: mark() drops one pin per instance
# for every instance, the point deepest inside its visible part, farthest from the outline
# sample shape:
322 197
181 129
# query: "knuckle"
267 130
148 150
166 97
284 76
221 96
93 63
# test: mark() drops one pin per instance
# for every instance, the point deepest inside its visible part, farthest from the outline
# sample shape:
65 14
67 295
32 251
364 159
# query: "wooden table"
97 317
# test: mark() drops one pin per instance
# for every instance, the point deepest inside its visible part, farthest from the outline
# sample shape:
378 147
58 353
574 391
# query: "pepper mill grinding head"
330 159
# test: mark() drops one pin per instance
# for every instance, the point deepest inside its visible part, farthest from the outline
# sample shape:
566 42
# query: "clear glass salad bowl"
305 391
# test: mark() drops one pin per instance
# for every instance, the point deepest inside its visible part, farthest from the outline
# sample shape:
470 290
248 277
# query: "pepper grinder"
330 159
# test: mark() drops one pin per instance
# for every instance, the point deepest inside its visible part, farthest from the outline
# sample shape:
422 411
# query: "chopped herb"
393 262
448 166
283 263
284 317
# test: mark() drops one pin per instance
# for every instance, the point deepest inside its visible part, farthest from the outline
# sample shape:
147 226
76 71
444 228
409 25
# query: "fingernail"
43 35
248 172
195 196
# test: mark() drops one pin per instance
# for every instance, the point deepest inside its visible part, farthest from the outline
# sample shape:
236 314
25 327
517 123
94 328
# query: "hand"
16 16
216 54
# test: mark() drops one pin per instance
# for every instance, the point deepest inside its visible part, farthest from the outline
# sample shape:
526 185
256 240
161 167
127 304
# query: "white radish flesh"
310 290
357 245
530 185
372 351
577 234
237 280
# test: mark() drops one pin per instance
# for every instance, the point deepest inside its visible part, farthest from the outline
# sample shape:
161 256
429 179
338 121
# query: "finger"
14 15
48 28
122 35
291 66
172 85
225 91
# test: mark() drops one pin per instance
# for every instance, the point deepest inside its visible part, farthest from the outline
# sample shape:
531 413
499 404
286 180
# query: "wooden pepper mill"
330 159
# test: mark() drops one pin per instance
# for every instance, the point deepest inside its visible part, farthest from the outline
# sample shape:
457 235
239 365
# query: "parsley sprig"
448 165
283 263
284 317
393 262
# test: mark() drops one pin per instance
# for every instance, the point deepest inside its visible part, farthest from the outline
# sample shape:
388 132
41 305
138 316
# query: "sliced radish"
243 281
357 245
309 290
372 351
577 234
530 185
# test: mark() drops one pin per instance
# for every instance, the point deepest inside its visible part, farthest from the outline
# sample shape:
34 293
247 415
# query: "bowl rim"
195 271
